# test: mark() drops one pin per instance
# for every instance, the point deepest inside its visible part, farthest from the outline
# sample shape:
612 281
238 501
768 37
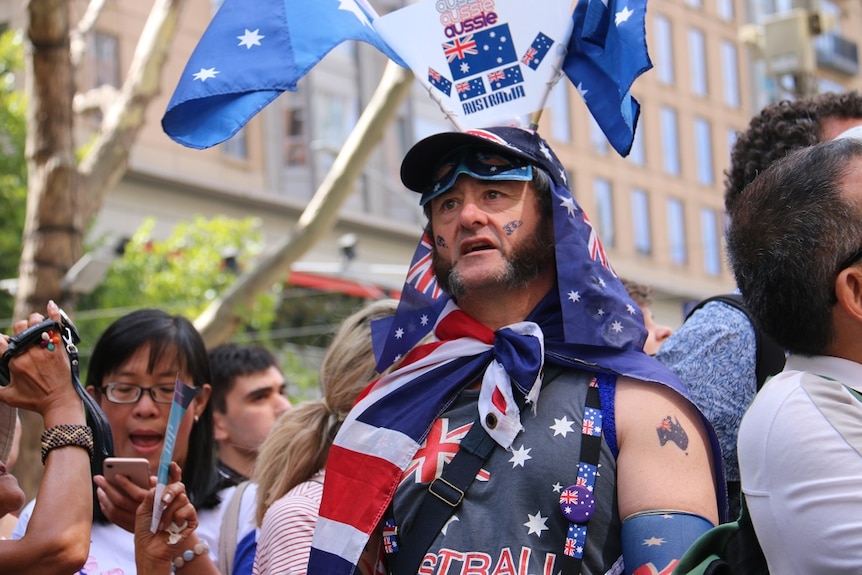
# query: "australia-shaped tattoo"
670 430
512 226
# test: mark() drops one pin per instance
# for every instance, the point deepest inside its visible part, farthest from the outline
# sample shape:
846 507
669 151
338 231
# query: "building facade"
659 211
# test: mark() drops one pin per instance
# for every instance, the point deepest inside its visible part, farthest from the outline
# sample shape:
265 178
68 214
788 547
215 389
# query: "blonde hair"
298 445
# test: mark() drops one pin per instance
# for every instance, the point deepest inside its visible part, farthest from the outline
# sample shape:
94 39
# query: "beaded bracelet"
65 435
189 554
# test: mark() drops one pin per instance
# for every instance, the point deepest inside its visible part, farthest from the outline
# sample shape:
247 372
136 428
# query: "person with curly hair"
714 351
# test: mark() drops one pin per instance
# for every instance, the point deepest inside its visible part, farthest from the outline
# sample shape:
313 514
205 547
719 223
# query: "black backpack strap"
770 356
443 497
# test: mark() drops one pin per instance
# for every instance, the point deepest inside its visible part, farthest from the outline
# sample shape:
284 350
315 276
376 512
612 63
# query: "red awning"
340 285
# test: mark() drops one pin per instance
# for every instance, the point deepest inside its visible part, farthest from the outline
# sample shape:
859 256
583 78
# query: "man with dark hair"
248 395
714 352
794 247
535 380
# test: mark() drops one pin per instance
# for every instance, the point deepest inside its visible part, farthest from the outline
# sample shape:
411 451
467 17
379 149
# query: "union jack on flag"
460 48
529 55
496 76
597 251
421 273
439 448
390 536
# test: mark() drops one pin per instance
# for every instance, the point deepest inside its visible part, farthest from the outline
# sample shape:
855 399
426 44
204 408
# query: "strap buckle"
448 494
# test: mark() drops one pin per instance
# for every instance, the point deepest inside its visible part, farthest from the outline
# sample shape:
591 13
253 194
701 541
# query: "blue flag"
252 52
439 81
537 51
478 52
499 79
607 52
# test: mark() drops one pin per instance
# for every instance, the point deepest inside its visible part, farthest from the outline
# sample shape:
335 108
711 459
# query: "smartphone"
137 469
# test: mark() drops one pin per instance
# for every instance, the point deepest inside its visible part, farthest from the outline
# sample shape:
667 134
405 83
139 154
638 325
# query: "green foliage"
182 274
200 259
13 163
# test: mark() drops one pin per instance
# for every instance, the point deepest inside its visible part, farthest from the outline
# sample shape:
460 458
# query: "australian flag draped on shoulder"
252 51
607 52
487 62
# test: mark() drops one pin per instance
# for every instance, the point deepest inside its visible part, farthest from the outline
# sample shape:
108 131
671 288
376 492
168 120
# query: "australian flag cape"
390 420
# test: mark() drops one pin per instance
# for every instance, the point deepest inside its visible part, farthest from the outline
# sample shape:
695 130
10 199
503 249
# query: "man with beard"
532 434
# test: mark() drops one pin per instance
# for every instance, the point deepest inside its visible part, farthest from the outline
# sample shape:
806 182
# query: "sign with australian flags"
486 62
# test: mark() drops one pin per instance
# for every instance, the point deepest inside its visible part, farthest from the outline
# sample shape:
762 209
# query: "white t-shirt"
112 548
800 458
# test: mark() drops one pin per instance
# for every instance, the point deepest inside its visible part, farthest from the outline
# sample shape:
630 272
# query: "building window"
295 144
598 140
637 155
106 60
604 218
641 222
695 3
669 140
676 231
560 119
236 146
711 249
731 140
725 10
729 74
663 52
703 151
697 62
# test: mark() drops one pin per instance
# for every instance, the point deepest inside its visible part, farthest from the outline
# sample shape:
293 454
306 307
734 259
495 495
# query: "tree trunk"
220 319
62 198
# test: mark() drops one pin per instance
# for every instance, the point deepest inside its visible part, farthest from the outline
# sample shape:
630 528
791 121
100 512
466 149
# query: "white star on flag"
545 151
623 15
352 6
569 204
581 90
536 524
399 333
562 426
205 74
575 296
424 319
250 38
630 308
617 327
520 456
448 522
557 487
653 541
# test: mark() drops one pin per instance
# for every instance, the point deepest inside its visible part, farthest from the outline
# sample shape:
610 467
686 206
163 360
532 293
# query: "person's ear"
848 292
201 400
221 432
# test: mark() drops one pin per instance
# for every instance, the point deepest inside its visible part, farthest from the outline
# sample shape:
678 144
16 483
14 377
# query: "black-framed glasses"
131 393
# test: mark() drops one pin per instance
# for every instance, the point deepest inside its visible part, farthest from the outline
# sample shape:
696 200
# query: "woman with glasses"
132 373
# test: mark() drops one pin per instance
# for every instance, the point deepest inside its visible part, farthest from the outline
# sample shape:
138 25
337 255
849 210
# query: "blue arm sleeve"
654 541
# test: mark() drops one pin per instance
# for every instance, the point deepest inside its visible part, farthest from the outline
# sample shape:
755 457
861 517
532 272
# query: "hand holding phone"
137 469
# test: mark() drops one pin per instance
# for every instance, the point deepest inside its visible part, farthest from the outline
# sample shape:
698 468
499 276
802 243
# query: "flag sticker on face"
470 89
500 79
537 51
439 81
476 53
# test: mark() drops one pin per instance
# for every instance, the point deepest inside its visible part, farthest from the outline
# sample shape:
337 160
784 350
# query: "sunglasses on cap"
481 165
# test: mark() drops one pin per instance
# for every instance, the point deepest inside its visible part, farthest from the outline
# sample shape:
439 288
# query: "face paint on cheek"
512 226
441 243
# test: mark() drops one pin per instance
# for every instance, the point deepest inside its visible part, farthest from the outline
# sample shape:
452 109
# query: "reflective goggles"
478 164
